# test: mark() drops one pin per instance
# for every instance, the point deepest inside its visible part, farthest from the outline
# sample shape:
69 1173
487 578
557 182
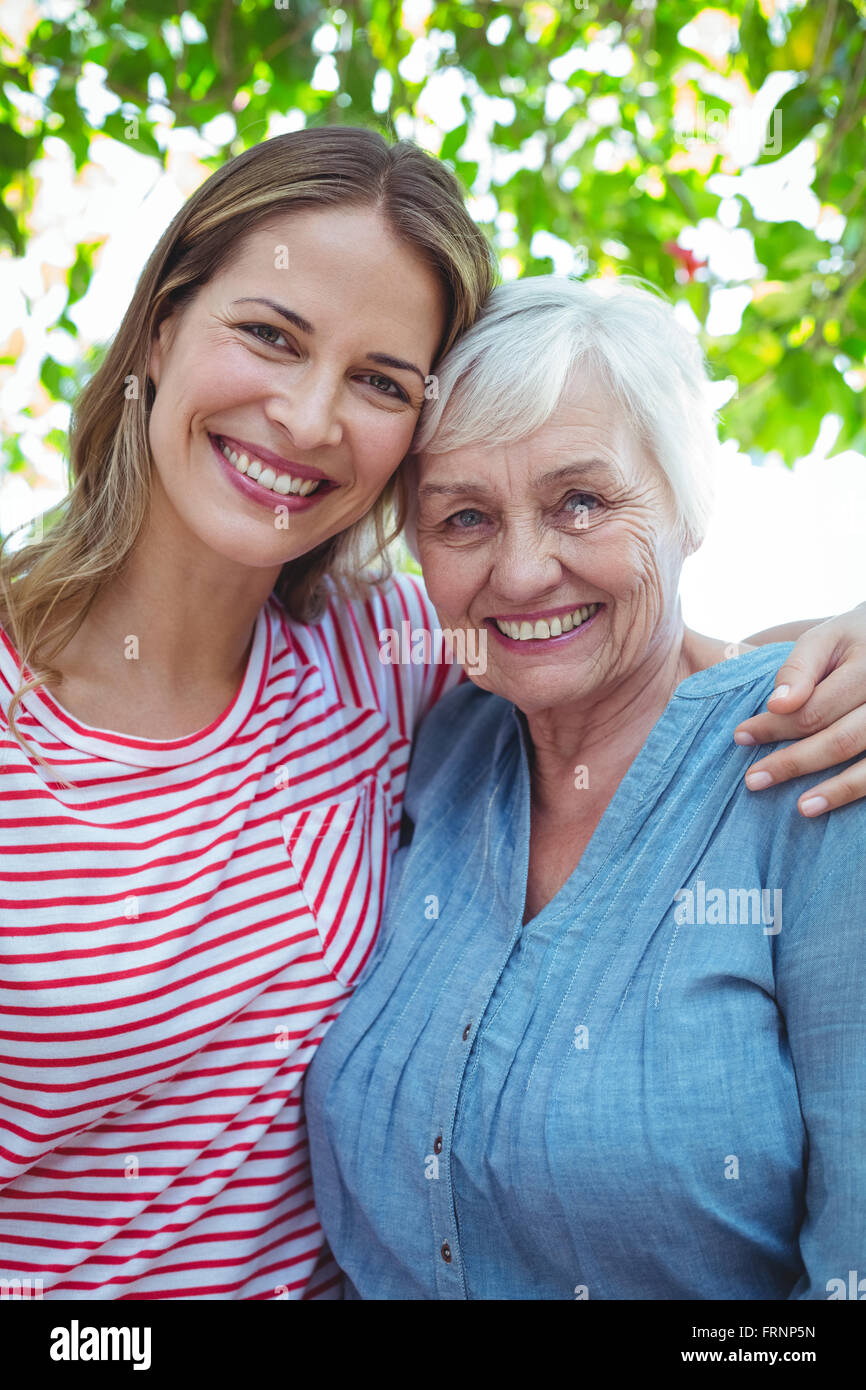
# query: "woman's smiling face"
571 534
323 391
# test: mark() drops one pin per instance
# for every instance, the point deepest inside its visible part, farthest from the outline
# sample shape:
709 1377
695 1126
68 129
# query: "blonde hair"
48 585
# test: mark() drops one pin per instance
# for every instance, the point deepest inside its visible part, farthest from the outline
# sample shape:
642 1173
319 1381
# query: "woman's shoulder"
743 676
10 663
460 741
812 856
375 648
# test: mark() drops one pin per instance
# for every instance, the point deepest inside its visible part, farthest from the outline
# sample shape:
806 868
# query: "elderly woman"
613 1043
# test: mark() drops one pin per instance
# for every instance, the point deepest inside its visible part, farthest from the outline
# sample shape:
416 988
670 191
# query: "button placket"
443 1229
449 1266
466 1010
448 1263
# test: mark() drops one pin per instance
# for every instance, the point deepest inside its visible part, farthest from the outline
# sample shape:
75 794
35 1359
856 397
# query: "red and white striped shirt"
177 932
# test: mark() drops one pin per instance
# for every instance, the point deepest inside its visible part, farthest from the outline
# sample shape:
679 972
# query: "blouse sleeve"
821 989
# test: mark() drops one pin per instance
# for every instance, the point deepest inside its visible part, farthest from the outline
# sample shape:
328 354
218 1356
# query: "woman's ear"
154 360
692 540
159 346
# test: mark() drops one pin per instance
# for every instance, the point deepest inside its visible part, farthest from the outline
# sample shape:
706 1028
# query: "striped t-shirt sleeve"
405 688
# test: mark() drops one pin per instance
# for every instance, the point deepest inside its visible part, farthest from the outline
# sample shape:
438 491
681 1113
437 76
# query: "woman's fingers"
839 694
843 740
848 786
818 701
836 744
813 655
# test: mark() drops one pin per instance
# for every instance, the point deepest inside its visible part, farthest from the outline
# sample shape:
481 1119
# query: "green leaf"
795 117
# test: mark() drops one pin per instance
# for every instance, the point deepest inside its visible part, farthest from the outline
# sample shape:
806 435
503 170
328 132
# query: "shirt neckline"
108 744
640 779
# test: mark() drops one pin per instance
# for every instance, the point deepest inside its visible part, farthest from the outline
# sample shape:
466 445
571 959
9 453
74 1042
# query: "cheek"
379 442
449 577
162 425
230 376
198 384
627 562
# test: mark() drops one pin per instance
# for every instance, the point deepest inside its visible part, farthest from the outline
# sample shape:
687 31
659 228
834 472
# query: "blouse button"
466 1031
446 1253
437 1145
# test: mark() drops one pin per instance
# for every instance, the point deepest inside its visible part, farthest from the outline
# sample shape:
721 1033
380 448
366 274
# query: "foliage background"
716 150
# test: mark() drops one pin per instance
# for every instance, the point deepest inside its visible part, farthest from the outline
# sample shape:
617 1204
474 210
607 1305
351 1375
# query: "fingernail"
780 692
756 781
814 805
745 740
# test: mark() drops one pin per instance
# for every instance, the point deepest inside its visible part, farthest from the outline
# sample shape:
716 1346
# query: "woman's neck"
163 649
588 745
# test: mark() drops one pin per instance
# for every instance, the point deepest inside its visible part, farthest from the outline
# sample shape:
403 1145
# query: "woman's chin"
536 690
247 545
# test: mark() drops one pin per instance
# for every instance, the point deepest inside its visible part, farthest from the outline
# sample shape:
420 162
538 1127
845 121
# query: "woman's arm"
820 700
785 632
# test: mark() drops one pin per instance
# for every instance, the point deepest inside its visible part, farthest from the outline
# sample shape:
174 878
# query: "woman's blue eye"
459 519
585 502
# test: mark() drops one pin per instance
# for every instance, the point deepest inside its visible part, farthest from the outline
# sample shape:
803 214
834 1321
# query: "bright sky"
784 543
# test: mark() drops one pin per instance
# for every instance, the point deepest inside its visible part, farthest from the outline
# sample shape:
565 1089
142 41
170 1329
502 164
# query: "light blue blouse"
656 1089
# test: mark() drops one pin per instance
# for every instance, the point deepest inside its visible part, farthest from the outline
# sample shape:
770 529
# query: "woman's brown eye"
385 386
257 330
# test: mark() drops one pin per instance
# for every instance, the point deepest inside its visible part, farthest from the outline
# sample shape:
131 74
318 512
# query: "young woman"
204 758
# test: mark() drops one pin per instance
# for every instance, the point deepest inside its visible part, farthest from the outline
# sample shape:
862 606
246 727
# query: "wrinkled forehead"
589 431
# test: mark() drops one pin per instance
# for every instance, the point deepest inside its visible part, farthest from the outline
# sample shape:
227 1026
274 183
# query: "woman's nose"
308 411
526 564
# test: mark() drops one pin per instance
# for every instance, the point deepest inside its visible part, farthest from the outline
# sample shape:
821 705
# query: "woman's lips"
538 644
270 459
264 496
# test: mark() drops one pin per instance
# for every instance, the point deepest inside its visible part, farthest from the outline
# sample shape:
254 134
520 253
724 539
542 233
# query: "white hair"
506 376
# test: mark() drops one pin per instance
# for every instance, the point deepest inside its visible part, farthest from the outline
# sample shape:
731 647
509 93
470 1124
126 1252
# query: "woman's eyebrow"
451 489
398 363
288 314
587 468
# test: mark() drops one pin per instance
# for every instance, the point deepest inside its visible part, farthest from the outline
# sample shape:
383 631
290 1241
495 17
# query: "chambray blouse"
656 1088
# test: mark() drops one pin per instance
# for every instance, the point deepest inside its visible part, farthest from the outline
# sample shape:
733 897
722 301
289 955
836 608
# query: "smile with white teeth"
543 628
266 477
